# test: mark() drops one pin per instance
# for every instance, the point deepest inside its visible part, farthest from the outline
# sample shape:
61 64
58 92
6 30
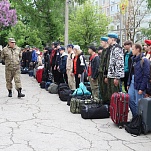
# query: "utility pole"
66 22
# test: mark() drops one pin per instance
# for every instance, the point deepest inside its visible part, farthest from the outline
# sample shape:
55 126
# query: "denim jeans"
134 98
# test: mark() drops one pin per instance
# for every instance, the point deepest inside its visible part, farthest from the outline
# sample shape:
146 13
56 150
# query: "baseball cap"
11 40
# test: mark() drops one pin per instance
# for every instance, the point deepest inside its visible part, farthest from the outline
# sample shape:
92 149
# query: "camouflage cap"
11 40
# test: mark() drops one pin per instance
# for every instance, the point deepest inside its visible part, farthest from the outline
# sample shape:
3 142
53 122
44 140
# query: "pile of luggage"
81 102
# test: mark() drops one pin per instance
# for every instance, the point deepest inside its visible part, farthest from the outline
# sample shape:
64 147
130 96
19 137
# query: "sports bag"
135 126
62 86
43 84
24 70
53 88
65 94
76 104
95 111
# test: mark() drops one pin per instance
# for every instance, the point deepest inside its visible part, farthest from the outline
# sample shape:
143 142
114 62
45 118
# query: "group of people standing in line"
106 70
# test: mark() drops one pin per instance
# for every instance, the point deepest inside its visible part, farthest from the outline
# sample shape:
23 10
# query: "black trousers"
125 79
77 80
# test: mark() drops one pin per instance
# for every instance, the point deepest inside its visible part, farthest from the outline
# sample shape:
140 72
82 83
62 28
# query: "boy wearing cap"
62 66
69 67
116 64
11 55
93 72
103 68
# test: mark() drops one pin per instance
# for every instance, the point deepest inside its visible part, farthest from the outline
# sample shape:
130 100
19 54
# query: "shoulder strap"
92 57
71 56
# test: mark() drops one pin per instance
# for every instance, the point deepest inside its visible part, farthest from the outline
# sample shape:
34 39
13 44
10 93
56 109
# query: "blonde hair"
78 50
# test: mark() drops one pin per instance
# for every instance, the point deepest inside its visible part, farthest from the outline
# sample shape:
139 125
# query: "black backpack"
135 126
64 91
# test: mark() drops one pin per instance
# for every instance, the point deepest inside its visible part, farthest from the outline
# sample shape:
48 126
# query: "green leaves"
87 24
25 35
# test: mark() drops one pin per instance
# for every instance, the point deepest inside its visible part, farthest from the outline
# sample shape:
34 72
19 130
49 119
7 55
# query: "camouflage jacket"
116 62
11 57
104 61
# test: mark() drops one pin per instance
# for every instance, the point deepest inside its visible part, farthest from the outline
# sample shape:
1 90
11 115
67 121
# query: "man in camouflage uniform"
103 69
11 54
115 65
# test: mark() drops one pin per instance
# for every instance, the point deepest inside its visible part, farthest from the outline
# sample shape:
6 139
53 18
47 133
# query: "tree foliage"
149 3
146 33
135 18
25 35
87 24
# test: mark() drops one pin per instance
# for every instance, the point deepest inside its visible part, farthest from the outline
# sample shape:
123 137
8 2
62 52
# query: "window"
108 11
103 2
138 24
112 8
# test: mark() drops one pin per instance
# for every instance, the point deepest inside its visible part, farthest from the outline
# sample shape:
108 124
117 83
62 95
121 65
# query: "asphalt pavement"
41 122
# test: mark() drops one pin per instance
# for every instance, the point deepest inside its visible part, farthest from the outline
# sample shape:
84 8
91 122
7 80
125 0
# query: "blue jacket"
141 72
34 56
62 62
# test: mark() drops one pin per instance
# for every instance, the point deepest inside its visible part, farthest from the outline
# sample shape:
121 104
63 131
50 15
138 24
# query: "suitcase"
119 106
76 104
39 75
144 107
95 111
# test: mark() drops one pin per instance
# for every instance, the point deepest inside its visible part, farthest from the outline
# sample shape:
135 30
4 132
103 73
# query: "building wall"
111 9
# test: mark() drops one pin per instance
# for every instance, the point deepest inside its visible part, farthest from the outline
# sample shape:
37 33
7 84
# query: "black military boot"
9 93
20 94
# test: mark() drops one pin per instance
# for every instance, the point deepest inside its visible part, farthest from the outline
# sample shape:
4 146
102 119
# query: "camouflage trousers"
106 90
103 89
10 75
112 88
95 89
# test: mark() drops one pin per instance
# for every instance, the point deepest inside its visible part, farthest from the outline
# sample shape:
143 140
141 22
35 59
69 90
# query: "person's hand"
58 68
127 87
116 82
140 92
72 74
54 67
106 80
79 75
92 79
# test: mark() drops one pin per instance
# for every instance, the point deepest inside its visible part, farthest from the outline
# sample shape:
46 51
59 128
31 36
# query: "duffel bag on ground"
95 111
83 97
76 104
65 94
47 85
62 86
42 84
31 73
24 70
53 88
